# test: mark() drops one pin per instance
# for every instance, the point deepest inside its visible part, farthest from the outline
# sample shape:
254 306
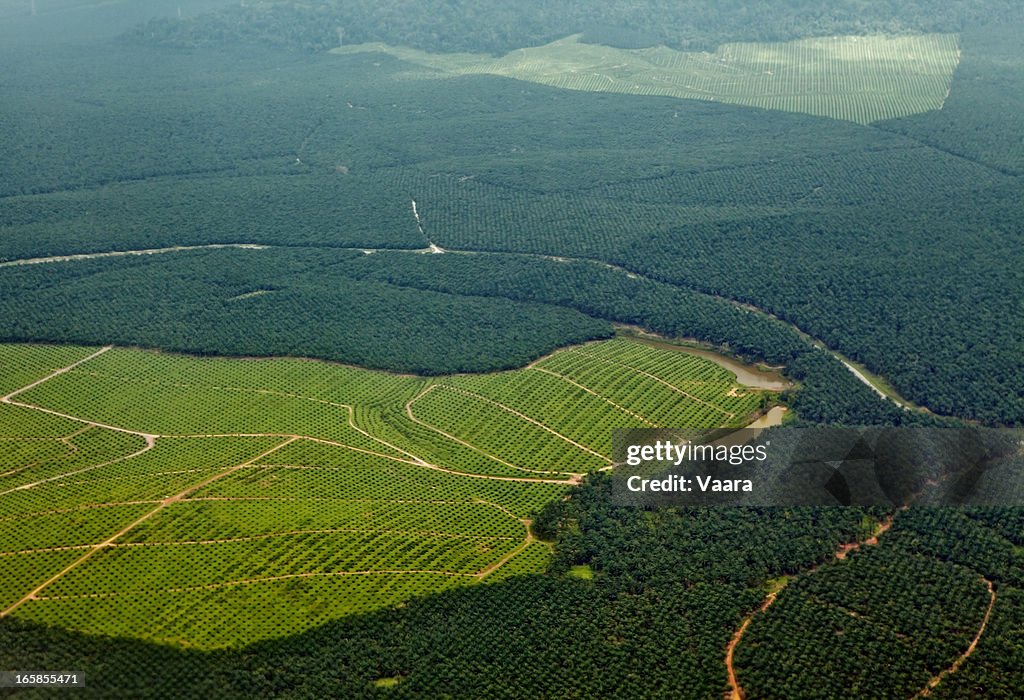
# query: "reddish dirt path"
845 549
934 682
736 692
735 689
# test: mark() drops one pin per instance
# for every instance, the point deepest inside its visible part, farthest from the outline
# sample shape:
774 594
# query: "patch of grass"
775 585
388 682
582 571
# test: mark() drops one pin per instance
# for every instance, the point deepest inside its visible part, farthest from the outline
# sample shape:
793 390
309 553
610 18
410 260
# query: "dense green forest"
983 118
496 27
670 588
57 22
902 255
928 579
402 311
282 302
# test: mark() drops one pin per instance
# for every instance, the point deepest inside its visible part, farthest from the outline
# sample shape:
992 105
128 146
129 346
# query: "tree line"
495 27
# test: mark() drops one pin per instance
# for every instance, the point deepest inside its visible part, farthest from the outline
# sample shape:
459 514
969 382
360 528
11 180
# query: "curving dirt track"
735 689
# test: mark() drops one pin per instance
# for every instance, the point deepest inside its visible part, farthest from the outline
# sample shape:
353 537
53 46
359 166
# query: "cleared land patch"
147 494
858 78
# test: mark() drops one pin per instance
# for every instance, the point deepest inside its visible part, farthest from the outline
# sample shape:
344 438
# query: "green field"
858 78
305 489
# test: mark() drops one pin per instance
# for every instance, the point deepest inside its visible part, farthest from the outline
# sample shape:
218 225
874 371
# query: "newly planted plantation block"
19 455
858 78
323 471
499 431
668 388
66 527
533 557
258 519
285 606
22 364
22 572
169 468
87 450
184 409
17 423
198 490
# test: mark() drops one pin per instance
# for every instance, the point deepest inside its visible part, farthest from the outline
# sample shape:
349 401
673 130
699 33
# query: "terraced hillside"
201 489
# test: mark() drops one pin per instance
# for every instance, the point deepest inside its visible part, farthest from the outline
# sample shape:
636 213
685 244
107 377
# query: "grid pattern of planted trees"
199 488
